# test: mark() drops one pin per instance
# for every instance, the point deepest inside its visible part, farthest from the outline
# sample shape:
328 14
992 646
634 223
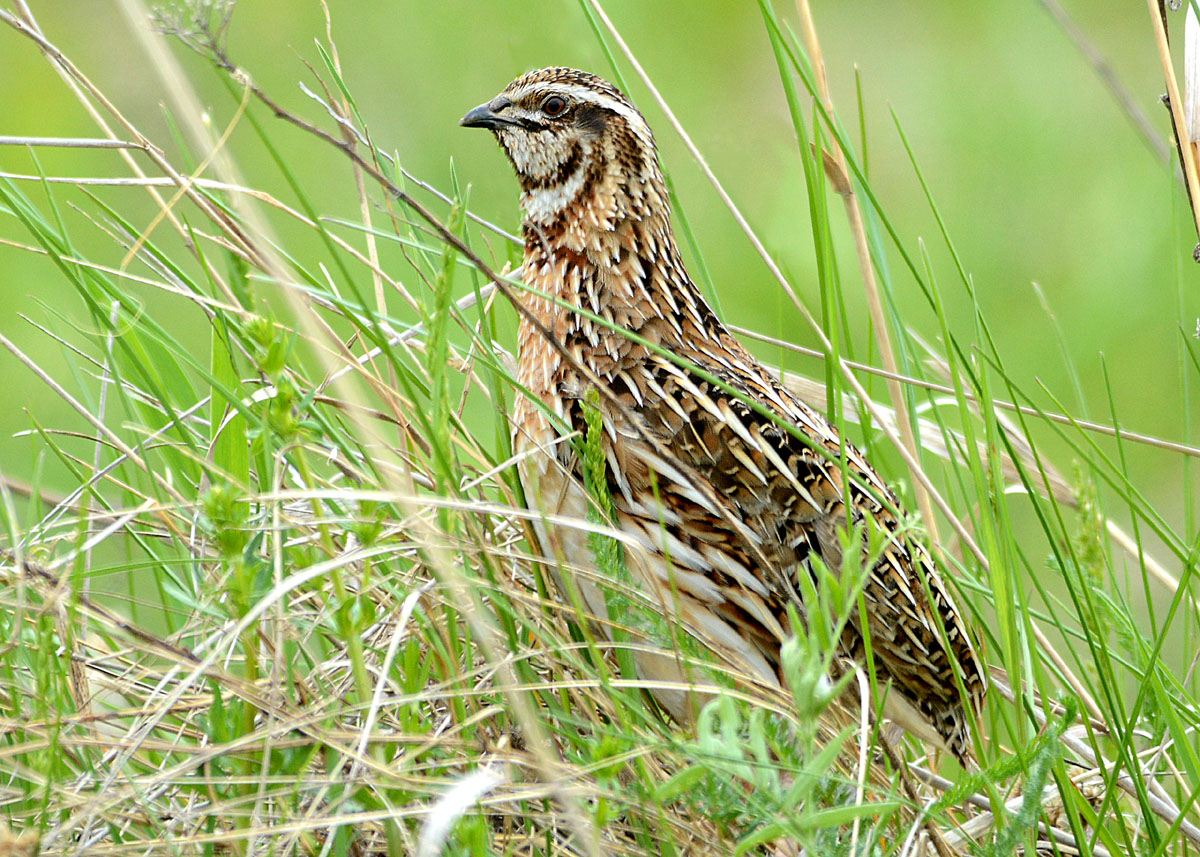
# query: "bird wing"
739 503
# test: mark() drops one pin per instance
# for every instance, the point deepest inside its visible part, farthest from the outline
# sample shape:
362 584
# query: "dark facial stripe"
592 118
565 170
545 234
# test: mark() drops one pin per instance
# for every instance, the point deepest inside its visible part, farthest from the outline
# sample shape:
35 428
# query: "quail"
725 485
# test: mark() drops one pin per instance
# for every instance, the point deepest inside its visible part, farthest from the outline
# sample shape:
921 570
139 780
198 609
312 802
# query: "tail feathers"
945 727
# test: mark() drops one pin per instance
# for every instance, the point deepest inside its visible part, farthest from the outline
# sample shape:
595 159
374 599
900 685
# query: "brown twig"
879 324
1187 152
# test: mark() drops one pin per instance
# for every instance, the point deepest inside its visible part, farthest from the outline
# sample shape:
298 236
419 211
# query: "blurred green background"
1039 174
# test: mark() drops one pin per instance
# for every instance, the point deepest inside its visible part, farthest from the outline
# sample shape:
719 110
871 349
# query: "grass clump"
293 602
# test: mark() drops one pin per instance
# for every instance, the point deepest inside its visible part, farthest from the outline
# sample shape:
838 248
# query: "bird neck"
612 253
627 276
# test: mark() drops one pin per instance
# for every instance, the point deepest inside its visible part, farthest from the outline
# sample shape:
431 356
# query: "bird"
725 486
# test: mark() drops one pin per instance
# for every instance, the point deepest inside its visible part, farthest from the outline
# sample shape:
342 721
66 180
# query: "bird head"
577 144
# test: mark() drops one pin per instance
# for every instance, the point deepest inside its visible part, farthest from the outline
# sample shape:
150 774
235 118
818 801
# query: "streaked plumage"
726 504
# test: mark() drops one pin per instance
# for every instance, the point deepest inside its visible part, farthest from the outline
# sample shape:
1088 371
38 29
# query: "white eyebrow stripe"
591 96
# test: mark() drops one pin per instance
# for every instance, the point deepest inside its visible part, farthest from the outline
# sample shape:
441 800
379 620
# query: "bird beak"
488 116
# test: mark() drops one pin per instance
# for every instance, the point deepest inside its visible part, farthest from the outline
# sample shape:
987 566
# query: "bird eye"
554 106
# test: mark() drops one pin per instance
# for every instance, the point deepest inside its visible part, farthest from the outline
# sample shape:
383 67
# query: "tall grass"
295 604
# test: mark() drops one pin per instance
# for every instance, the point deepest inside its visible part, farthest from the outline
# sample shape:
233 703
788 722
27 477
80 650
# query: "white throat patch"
543 205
